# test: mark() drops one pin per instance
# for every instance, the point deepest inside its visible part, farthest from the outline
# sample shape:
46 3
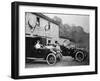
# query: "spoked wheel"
79 56
51 59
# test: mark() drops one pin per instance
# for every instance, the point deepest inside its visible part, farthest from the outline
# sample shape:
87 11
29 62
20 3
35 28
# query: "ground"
66 61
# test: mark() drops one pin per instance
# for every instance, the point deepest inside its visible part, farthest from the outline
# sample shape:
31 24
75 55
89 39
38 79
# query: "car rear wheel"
79 56
51 59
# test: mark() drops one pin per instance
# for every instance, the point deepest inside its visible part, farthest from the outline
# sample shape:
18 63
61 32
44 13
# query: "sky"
71 19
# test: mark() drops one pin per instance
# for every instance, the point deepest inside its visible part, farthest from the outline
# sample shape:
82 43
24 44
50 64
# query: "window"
38 21
49 41
48 25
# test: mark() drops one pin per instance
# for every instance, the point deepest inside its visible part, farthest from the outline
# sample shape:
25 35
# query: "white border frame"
54 70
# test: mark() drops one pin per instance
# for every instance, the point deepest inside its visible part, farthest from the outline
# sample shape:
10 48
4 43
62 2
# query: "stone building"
39 25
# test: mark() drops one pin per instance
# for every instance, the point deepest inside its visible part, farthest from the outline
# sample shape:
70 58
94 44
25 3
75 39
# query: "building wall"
43 24
53 33
32 20
43 29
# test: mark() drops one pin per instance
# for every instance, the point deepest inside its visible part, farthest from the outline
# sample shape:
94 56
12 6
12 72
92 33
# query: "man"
49 45
57 46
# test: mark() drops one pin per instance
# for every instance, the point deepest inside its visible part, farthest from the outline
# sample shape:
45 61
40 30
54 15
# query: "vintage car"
48 53
79 54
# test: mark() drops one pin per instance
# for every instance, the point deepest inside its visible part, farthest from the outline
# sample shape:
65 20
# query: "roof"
46 17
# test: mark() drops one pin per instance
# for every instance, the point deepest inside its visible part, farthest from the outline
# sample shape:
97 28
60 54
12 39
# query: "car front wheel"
51 59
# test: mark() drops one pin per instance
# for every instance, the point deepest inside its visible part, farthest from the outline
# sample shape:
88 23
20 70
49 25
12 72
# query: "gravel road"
67 61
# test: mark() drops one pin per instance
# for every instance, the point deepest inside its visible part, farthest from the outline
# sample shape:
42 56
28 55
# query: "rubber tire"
51 54
76 58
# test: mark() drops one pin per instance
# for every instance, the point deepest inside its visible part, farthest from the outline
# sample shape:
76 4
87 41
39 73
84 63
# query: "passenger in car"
38 45
57 46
